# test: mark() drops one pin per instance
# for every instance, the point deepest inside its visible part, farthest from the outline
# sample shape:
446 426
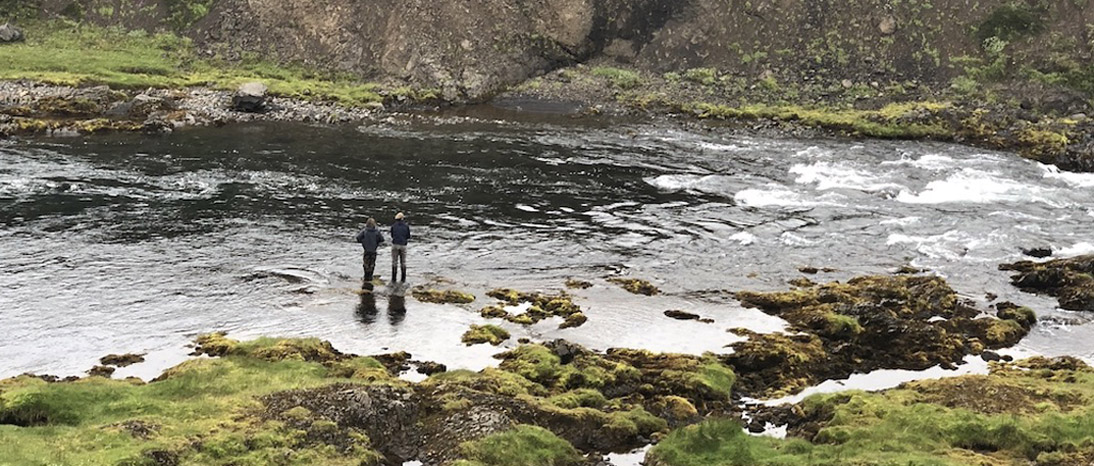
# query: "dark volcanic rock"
681 315
1039 253
250 97
1070 280
121 360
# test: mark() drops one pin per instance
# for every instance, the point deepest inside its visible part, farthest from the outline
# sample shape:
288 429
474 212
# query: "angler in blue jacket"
400 235
371 239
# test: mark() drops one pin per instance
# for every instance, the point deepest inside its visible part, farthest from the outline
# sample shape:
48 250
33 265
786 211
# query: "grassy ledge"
77 54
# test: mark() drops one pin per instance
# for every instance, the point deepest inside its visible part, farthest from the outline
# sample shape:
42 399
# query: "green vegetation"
623 79
485 334
636 286
184 13
522 446
203 411
1012 21
80 54
1014 416
883 123
442 297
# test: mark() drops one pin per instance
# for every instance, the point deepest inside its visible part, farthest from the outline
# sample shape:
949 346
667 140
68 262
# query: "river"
136 243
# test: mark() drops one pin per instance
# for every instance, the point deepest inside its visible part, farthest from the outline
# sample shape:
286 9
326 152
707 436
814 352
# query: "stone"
121 360
430 368
846 83
9 34
1037 252
887 26
250 97
681 315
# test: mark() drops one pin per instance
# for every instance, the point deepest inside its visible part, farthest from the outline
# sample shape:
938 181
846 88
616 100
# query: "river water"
134 243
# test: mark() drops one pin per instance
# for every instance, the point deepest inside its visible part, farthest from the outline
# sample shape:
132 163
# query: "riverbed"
136 243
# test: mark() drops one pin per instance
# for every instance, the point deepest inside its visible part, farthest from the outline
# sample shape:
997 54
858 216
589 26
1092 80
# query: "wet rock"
430 368
636 286
869 323
990 356
1070 281
395 363
1039 253
250 97
578 284
101 371
442 297
121 360
542 306
681 315
1021 314
576 319
9 33
809 270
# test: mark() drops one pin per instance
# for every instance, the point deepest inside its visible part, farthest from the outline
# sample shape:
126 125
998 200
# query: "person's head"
399 216
370 223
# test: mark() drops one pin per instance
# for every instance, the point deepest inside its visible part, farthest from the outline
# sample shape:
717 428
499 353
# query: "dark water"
130 243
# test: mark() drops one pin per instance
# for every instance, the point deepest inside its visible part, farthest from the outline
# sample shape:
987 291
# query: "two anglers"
371 239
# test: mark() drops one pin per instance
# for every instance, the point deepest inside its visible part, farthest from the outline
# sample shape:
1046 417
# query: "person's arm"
408 232
361 236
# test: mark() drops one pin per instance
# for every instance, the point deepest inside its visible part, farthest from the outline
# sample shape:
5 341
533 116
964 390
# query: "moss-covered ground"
204 411
1032 412
76 54
301 401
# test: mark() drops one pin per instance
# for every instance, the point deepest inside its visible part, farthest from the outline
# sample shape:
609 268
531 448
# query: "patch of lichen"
868 323
1071 280
1037 411
491 334
442 297
541 306
636 286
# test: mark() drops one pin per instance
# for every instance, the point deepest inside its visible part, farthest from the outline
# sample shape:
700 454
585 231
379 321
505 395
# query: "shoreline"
559 399
29 108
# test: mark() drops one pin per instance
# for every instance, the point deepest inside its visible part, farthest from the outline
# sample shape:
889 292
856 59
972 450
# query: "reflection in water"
396 309
366 308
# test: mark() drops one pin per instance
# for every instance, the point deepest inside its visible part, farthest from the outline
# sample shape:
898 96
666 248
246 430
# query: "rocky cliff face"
474 48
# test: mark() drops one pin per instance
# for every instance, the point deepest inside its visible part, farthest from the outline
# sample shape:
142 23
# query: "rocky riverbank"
554 402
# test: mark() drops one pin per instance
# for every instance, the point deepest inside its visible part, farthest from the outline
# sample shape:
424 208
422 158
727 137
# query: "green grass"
1028 415
208 399
523 446
623 79
78 54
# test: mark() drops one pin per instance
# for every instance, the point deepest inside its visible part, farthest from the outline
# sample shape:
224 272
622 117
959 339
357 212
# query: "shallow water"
131 243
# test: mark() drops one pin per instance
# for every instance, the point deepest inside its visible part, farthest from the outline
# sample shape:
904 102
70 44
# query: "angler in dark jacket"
371 239
400 235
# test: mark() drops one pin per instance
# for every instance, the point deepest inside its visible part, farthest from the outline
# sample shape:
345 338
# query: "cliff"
474 49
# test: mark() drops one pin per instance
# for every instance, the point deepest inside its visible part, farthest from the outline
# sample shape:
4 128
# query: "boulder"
140 107
9 33
250 97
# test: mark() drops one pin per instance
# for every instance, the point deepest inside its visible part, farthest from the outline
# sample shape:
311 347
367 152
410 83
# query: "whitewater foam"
829 175
977 187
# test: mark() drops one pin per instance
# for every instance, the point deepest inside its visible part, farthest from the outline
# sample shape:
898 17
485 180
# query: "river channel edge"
301 401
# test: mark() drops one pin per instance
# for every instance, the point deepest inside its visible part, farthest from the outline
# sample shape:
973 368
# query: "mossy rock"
491 334
636 286
442 297
1071 280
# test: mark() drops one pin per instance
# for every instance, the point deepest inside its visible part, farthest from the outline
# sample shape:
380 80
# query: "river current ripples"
131 243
